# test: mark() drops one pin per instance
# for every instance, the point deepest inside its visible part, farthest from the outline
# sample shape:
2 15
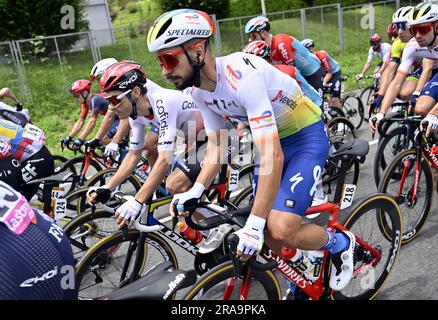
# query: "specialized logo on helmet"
189 32
124 84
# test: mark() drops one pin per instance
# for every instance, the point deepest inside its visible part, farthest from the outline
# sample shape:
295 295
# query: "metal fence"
333 27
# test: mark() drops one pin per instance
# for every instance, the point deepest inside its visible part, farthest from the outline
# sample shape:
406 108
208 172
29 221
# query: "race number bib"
33 133
348 195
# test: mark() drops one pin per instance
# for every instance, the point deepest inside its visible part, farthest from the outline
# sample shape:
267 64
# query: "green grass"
54 109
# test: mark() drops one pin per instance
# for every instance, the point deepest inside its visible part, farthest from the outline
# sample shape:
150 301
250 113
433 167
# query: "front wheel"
399 180
374 254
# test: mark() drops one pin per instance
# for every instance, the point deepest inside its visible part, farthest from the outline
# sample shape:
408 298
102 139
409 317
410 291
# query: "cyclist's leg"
186 171
410 84
38 166
150 146
335 90
428 96
111 132
316 80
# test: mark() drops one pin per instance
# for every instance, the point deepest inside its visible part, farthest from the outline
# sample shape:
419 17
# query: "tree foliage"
219 7
22 19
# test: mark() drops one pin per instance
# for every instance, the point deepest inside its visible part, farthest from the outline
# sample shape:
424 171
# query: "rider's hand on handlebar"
359 76
128 211
111 149
65 141
98 194
374 121
186 198
93 143
432 123
377 76
251 237
78 143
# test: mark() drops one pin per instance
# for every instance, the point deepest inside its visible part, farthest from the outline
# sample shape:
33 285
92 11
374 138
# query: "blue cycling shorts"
431 87
305 154
38 264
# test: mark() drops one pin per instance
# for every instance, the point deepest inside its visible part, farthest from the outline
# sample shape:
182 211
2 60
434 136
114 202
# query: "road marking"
373 142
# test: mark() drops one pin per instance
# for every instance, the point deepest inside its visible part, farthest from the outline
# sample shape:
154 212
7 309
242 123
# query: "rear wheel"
353 109
367 98
341 130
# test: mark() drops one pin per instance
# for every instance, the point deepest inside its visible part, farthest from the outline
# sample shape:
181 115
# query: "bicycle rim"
99 271
370 276
212 285
415 213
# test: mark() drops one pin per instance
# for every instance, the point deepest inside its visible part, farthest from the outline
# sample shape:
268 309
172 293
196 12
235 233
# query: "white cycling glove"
377 75
379 116
251 236
432 120
359 76
188 198
130 209
111 149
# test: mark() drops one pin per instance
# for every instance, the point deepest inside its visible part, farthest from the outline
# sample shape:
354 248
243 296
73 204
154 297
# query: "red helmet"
375 39
123 76
80 86
392 30
259 48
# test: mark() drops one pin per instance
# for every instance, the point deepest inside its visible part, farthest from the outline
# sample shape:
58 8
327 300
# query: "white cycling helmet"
257 24
307 43
100 67
423 13
401 15
176 27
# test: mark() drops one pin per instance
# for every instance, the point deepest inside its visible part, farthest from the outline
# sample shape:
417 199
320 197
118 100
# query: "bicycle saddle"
159 283
354 148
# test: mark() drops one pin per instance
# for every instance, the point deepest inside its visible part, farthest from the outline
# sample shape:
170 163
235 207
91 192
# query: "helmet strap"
197 66
133 114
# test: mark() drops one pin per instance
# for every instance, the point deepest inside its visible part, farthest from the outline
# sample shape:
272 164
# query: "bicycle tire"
71 165
243 195
216 276
82 224
353 108
367 97
409 232
373 205
341 130
380 161
101 256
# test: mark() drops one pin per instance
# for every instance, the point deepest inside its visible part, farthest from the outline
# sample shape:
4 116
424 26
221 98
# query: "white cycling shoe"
342 265
215 238
316 202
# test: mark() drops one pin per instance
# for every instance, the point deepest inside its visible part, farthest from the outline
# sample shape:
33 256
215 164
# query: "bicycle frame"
314 290
422 149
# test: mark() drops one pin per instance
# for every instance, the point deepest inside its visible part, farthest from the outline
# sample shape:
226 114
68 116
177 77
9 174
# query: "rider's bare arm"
106 124
387 77
125 169
77 127
90 126
393 90
155 177
425 74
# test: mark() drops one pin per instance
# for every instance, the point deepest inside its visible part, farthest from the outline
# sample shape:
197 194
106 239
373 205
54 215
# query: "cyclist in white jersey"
379 50
286 127
168 111
423 24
